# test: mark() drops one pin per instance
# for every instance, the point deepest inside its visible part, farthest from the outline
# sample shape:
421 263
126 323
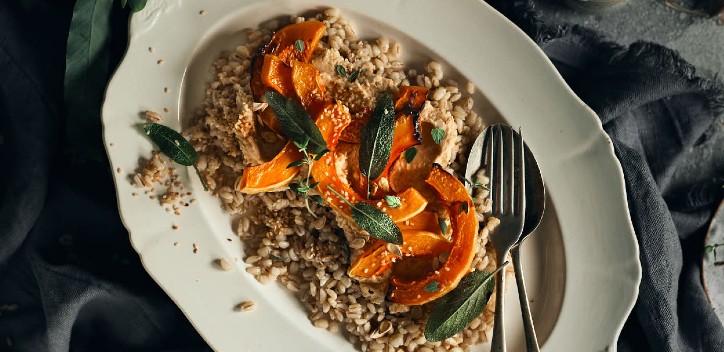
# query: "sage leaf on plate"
437 135
86 73
410 154
299 44
376 223
340 70
174 145
454 311
443 225
136 5
296 122
171 143
393 201
353 76
432 286
376 141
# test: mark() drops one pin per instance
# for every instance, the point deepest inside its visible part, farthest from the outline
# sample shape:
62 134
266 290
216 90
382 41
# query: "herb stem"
201 178
339 195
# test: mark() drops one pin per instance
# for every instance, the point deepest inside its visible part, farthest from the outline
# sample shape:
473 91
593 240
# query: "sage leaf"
393 201
432 286
340 70
353 76
410 154
136 5
437 135
171 143
296 122
376 141
86 74
299 44
376 223
317 198
443 225
461 306
297 163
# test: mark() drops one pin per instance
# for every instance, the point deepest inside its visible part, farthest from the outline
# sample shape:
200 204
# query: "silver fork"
506 170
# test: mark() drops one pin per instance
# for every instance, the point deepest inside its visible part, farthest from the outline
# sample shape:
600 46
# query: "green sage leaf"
299 44
171 143
86 74
376 141
340 70
376 223
317 198
437 135
353 76
393 201
136 5
297 163
410 154
443 225
296 122
432 286
461 306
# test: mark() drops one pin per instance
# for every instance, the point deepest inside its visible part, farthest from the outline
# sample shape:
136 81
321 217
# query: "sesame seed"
245 306
165 89
202 12
174 227
119 170
160 62
150 49
196 248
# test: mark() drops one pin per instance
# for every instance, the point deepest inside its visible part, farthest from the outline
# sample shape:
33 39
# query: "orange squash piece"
308 86
410 99
452 193
426 220
269 119
272 175
277 75
283 41
376 259
353 132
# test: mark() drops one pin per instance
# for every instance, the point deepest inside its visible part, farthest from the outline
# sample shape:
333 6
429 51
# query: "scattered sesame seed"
202 12
165 89
229 239
166 109
150 49
152 197
174 227
175 244
110 144
134 194
196 248
119 170
160 62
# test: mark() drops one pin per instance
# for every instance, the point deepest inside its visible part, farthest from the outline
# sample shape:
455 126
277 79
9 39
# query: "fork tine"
520 176
491 161
510 166
499 151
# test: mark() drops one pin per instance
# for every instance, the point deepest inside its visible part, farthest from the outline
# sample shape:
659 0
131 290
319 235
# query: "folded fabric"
69 279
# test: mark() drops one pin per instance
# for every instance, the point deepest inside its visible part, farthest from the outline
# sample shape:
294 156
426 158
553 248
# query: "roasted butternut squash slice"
269 119
353 132
308 86
453 195
377 258
283 41
276 75
426 220
410 100
272 175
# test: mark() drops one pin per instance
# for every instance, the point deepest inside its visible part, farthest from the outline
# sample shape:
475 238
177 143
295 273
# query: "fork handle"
498 343
531 341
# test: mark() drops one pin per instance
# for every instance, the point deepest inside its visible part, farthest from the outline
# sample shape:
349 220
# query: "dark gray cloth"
69 279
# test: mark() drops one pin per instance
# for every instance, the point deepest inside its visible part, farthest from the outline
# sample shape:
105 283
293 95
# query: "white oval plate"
582 265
